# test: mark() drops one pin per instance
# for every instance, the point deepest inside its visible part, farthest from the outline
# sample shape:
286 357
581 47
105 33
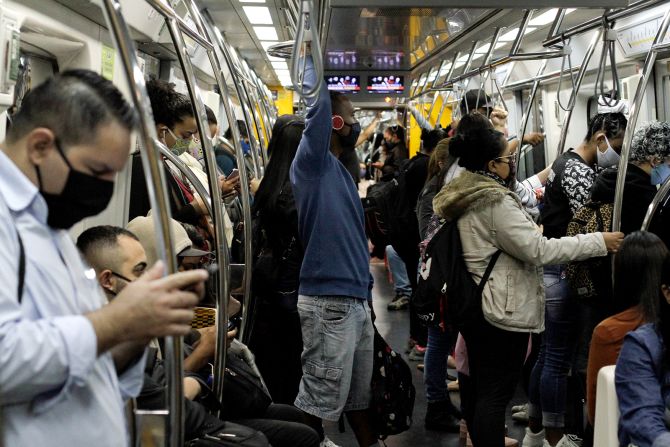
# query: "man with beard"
333 305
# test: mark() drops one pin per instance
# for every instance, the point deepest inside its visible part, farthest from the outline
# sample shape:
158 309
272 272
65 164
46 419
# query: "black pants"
496 359
283 426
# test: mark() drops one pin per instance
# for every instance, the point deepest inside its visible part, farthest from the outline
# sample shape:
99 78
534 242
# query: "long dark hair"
637 271
661 317
286 135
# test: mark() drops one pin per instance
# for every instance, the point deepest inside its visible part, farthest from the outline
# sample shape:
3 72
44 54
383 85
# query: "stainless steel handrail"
634 113
167 12
198 187
306 22
158 198
516 45
526 114
655 203
215 34
596 22
578 82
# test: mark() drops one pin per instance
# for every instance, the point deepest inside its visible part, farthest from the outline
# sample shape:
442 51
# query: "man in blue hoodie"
334 306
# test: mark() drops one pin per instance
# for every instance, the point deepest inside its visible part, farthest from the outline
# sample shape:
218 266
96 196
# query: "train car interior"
250 75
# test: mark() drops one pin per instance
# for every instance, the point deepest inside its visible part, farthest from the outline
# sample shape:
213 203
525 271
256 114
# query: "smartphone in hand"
235 173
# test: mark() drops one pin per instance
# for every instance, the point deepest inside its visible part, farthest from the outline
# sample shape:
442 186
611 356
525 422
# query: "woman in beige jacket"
491 218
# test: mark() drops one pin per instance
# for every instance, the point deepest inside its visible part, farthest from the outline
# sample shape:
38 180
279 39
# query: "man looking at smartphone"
67 357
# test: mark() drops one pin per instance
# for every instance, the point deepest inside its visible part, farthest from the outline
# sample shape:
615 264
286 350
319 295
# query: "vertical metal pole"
526 114
522 31
580 77
220 54
158 196
632 121
558 21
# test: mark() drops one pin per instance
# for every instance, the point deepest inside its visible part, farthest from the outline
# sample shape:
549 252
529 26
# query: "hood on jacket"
468 192
638 183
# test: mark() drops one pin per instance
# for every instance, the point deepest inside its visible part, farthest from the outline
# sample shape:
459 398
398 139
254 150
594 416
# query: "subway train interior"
295 148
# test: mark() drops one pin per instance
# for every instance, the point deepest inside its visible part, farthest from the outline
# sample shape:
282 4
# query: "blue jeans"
549 379
401 282
439 347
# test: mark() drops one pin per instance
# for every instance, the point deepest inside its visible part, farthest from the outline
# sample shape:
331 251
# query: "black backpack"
446 294
392 391
389 204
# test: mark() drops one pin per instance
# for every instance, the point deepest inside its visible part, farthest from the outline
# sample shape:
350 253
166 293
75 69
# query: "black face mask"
83 196
349 142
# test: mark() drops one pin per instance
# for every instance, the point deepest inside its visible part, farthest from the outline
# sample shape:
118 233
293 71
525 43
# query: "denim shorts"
337 355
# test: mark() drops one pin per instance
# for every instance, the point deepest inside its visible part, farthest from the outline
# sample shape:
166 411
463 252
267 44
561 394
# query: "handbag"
232 435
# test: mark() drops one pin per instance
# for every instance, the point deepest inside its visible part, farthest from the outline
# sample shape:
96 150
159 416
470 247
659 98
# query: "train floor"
394 327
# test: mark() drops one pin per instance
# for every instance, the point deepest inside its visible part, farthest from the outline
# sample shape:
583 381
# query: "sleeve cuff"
662 441
534 182
132 379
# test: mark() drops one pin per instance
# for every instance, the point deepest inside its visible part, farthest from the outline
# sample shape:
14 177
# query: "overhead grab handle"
611 98
307 31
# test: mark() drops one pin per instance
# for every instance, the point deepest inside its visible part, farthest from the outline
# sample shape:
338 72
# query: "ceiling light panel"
545 18
258 15
268 44
509 36
252 1
266 33
280 65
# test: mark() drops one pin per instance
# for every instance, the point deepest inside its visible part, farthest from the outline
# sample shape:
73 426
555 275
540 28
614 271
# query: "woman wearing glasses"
491 219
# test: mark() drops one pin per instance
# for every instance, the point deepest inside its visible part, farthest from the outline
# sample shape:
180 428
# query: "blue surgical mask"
608 158
660 173
245 147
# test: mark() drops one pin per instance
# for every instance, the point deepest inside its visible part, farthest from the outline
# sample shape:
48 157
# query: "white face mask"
608 158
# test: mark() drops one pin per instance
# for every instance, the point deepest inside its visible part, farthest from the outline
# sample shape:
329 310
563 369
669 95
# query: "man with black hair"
396 151
333 304
68 358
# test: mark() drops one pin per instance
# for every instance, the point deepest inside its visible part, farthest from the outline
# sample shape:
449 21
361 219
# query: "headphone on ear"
338 122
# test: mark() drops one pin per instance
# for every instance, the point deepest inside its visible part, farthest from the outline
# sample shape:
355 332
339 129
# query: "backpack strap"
488 271
22 267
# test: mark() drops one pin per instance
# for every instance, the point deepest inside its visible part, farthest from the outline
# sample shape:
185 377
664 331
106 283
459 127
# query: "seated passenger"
68 361
117 257
643 372
637 272
490 219
648 167
225 158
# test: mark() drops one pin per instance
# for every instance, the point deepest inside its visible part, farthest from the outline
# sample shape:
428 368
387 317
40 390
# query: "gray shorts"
338 339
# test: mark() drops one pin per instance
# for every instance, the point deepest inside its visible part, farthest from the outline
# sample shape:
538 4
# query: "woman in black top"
276 339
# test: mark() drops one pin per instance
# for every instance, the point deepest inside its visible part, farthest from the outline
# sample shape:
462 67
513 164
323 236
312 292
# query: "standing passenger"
490 220
68 360
334 292
568 188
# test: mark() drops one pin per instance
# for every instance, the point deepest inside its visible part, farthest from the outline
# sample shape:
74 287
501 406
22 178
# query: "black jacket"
638 194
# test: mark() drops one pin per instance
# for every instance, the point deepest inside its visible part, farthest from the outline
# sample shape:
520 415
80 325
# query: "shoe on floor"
442 416
399 302
417 353
509 442
453 386
420 366
327 443
534 439
410 344
570 441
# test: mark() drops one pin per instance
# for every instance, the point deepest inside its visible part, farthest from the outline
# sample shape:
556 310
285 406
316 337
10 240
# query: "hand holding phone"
235 173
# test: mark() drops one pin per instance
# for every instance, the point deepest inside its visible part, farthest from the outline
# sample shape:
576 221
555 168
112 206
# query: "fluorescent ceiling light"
266 33
275 59
462 59
252 1
499 45
509 36
545 18
445 69
267 44
258 15
483 49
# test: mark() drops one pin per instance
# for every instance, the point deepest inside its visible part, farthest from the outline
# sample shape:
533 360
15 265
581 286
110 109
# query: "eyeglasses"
507 159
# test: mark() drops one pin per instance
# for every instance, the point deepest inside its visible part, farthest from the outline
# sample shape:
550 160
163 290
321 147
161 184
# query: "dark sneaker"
399 302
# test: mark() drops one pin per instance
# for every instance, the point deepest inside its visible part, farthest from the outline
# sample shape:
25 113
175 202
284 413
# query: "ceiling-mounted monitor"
386 83
343 83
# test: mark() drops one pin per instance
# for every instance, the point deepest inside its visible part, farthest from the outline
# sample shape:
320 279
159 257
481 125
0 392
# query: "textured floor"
394 327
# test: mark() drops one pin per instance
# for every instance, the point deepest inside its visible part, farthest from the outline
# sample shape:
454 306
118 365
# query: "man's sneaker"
534 439
570 441
327 443
399 302
417 353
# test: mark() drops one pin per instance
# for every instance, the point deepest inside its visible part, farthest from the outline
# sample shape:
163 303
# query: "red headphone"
338 122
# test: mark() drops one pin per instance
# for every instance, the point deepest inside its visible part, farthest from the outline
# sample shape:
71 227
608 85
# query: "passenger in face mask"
79 359
491 219
648 167
396 152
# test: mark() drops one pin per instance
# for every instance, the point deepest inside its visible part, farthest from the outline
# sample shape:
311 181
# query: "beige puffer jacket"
491 218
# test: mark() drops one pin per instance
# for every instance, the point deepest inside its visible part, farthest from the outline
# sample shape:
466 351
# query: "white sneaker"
534 439
327 443
570 441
